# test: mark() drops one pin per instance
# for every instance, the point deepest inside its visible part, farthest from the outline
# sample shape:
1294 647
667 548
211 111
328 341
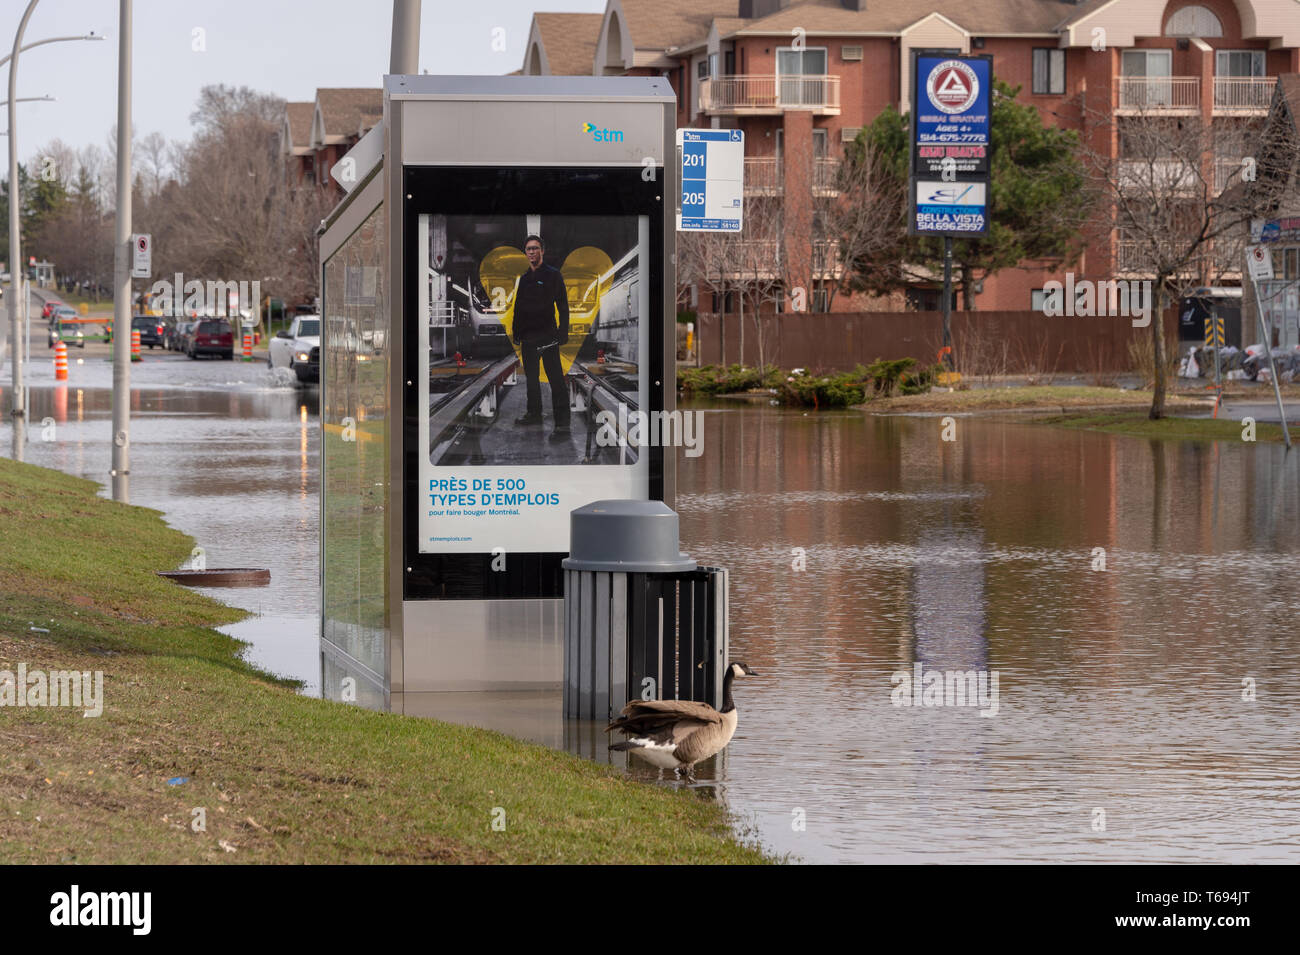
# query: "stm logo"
603 135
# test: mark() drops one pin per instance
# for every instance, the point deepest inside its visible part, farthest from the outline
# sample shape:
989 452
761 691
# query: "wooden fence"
990 343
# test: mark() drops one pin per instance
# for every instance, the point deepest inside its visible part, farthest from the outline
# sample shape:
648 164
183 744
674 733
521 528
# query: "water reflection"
1120 689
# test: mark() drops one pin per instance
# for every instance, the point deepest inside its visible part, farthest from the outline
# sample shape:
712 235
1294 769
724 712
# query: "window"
1049 71
1146 78
1194 21
801 75
1239 63
820 143
713 64
928 300
1291 263
810 61
1148 62
821 300
729 63
1039 299
702 69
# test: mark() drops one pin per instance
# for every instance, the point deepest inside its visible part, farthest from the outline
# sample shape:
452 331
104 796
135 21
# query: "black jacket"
539 296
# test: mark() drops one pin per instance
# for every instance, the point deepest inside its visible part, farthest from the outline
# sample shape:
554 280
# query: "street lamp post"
19 399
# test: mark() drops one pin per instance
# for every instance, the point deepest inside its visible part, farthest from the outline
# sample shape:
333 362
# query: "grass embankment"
283 778
1139 425
95 306
1029 398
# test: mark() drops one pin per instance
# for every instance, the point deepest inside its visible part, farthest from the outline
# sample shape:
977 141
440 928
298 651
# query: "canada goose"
672 734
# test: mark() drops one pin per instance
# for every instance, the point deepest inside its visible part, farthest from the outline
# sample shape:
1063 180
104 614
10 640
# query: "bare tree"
1179 206
708 261
861 219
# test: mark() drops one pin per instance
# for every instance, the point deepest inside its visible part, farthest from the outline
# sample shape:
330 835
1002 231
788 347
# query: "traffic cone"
60 361
135 344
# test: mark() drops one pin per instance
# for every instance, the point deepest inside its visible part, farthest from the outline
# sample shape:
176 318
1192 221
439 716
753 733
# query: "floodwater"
1141 712
1121 730
228 451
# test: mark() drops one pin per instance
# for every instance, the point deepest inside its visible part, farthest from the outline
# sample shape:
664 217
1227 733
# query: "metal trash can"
641 620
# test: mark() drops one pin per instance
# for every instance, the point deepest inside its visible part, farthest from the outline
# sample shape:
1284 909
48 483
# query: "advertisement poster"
531 335
953 114
950 207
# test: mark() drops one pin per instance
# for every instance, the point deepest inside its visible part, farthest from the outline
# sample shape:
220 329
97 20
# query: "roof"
349 111
978 17
636 88
569 40
665 24
298 118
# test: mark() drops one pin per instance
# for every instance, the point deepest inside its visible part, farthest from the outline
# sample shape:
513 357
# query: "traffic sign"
141 256
1259 261
1214 337
713 180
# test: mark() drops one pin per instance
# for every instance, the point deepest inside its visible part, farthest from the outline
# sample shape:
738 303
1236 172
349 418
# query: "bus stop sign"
713 173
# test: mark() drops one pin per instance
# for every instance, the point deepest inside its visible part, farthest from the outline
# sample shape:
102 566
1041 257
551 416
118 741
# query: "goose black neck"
728 704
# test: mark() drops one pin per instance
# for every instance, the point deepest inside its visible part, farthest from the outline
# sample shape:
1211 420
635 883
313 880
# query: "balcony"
827 261
1158 178
763 176
754 95
1158 94
1223 261
1227 172
826 173
1243 95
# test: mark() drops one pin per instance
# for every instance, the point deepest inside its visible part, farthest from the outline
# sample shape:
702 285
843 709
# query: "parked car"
172 334
150 329
48 309
212 336
298 348
68 332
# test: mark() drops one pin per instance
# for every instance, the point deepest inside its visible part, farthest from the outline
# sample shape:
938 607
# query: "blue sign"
950 208
712 175
952 114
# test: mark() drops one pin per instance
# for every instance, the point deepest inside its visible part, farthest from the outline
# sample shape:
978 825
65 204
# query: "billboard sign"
952 113
949 208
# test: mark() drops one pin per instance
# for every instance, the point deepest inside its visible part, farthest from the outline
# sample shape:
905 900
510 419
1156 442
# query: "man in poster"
541 325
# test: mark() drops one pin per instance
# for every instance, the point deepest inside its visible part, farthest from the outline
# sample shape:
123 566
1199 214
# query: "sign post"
948 187
1259 263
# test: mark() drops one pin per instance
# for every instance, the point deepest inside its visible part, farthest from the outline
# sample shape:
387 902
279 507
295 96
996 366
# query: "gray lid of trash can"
637 537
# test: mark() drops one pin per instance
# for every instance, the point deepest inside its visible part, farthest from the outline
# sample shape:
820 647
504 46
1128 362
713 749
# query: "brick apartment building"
802 78
316 135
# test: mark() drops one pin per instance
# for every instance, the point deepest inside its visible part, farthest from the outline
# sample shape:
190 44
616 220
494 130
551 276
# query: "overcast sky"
286 47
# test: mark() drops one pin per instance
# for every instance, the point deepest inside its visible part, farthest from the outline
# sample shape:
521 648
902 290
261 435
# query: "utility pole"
121 471
404 53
